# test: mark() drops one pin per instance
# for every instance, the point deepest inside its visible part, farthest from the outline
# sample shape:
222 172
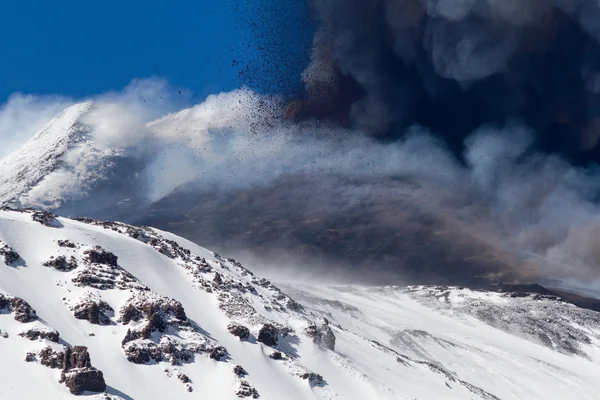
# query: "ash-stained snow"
151 315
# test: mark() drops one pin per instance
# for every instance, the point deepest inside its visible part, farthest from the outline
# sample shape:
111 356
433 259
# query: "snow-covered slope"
63 163
514 345
25 168
143 314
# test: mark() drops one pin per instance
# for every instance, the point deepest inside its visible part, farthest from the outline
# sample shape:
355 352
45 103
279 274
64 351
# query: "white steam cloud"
23 115
534 206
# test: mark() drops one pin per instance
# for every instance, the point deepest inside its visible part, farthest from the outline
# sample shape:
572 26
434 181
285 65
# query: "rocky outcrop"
10 256
167 247
245 390
45 218
61 263
218 353
100 271
98 255
66 243
77 357
162 332
183 378
239 331
142 352
96 312
80 380
41 333
323 335
20 308
79 375
239 371
268 334
312 378
52 358
155 309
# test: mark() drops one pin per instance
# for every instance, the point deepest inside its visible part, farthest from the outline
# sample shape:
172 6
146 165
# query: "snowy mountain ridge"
61 163
41 155
99 307
95 308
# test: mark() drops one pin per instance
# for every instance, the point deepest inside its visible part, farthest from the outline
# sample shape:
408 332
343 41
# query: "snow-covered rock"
140 305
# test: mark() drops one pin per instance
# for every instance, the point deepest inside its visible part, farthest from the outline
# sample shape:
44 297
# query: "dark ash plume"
454 65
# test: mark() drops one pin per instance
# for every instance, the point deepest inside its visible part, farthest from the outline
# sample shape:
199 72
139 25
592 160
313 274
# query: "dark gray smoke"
459 151
454 65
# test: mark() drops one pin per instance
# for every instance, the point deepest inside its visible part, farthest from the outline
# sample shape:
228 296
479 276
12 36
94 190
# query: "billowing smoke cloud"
530 214
409 208
454 65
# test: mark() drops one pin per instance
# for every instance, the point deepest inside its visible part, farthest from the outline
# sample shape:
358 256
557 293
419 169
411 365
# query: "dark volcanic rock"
268 335
35 334
10 256
61 263
80 380
155 313
98 255
312 378
142 353
78 374
135 311
130 313
104 276
239 371
45 218
218 280
93 311
218 353
157 335
245 390
78 357
131 335
4 302
239 331
52 358
156 323
324 336
312 330
22 310
66 243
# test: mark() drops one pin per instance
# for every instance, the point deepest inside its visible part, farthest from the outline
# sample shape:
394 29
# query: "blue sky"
77 48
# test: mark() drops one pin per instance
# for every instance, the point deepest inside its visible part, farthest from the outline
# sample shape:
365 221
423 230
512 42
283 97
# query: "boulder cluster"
77 371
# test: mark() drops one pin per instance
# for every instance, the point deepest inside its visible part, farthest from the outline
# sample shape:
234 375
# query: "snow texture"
147 306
